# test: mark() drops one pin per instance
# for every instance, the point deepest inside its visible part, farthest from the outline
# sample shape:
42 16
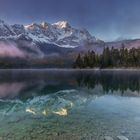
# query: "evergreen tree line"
109 58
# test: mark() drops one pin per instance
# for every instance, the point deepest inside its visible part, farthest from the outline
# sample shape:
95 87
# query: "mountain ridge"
60 33
51 44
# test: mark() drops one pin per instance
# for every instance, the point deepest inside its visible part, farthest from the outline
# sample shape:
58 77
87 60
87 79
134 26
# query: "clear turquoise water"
69 105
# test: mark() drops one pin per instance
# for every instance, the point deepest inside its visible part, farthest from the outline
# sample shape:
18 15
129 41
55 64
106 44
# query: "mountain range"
56 43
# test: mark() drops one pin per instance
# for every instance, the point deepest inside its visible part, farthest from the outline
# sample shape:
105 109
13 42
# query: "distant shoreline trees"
110 58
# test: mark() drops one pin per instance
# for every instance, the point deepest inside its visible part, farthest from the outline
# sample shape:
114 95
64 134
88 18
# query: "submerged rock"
108 138
123 132
122 138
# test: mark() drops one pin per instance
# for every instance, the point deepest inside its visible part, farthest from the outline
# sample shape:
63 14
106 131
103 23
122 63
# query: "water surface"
69 105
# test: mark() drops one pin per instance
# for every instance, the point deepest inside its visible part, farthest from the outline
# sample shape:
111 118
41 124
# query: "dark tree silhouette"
110 58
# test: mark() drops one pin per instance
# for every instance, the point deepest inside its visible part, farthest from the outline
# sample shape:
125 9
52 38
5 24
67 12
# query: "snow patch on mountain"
61 33
61 25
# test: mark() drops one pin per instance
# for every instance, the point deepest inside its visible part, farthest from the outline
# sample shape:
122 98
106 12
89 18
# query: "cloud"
8 49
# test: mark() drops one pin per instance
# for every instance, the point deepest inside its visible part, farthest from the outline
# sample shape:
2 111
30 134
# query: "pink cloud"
10 49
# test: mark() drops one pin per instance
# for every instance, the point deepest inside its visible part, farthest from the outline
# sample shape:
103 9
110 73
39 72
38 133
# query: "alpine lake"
61 104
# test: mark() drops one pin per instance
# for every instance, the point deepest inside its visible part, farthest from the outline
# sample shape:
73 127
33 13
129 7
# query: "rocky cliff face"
60 33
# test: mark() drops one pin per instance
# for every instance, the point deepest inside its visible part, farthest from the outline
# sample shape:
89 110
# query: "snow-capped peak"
45 25
38 26
32 26
62 24
5 29
60 33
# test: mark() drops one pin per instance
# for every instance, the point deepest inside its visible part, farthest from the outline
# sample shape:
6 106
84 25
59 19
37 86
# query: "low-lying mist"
8 49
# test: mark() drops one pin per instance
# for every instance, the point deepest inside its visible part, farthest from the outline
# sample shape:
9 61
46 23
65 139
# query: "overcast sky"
106 19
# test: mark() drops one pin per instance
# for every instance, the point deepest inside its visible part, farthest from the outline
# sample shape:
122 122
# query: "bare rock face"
60 33
6 30
35 39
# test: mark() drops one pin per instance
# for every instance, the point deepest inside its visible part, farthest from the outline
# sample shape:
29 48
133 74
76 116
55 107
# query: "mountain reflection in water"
28 84
52 92
69 103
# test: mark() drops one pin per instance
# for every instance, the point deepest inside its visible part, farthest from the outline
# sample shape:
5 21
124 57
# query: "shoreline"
72 69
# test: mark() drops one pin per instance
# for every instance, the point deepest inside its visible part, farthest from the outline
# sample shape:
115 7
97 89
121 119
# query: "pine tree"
110 58
86 61
79 62
92 60
115 57
106 58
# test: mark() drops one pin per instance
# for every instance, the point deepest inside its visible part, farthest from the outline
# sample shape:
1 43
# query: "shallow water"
71 105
